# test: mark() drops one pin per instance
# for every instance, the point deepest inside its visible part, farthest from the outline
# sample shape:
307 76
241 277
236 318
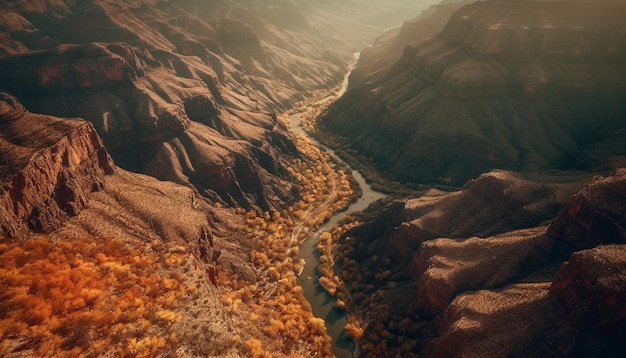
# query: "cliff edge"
49 166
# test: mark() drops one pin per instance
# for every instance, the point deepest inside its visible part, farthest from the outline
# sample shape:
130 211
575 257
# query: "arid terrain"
513 112
153 195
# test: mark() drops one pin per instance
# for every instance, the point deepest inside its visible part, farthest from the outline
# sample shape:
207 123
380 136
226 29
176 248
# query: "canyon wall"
49 168
183 90
515 262
525 85
488 272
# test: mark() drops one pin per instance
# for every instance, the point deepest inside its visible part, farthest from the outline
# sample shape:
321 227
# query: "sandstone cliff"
48 169
526 85
482 272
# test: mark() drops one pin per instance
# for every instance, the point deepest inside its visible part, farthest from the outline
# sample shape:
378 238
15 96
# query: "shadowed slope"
525 85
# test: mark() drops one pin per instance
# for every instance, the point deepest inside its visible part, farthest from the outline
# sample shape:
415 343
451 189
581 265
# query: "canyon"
148 179
499 121
541 89
154 192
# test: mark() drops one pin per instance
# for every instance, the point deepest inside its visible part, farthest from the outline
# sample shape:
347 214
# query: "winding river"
321 302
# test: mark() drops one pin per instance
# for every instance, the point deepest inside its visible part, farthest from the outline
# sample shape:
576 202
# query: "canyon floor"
153 194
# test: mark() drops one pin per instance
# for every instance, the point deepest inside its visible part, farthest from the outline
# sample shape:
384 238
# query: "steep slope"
48 168
184 90
477 272
97 260
525 85
107 257
388 48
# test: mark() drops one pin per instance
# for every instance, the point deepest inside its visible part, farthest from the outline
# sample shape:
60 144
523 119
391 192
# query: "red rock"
592 287
596 215
49 167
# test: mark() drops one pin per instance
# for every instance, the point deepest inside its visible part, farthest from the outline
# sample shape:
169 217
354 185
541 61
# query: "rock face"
527 85
595 215
183 90
49 168
591 287
492 204
145 111
477 278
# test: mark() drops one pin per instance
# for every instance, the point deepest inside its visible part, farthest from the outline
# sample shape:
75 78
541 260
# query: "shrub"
70 298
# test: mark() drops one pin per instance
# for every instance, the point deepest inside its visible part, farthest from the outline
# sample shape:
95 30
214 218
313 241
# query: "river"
322 303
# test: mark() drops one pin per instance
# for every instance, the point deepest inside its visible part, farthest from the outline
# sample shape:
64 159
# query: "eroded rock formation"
48 169
184 90
591 287
526 85
595 215
478 279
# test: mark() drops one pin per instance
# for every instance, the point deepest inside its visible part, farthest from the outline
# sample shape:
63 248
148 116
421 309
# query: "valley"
186 178
323 304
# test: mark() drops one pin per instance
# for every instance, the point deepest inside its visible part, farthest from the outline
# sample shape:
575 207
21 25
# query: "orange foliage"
70 298
282 316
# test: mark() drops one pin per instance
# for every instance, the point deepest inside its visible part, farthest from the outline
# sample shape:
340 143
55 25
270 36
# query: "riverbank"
323 304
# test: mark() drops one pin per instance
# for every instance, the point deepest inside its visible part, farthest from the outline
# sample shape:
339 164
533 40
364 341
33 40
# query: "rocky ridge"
49 168
457 285
525 85
183 90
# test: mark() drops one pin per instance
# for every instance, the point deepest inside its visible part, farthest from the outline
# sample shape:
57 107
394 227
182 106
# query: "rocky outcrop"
444 268
519 320
581 308
49 168
481 271
591 284
591 287
595 215
530 85
493 204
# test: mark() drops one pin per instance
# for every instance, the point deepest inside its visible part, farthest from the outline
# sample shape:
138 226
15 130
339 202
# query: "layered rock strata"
489 289
184 90
49 168
526 85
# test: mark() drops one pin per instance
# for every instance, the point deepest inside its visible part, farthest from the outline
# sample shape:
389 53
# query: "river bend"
321 302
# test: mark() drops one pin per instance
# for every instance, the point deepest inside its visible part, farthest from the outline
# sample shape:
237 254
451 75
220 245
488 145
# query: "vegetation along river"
322 303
